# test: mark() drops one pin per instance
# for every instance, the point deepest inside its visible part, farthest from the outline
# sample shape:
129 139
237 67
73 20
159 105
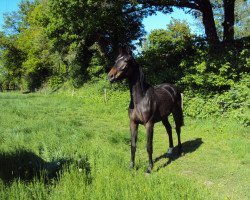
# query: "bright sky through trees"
153 22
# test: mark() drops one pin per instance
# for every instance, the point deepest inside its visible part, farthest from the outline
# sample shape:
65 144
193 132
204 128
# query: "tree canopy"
49 41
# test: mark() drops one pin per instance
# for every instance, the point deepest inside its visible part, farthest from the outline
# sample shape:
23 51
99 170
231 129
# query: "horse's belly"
164 112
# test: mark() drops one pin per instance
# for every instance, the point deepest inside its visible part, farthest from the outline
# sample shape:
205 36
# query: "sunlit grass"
78 124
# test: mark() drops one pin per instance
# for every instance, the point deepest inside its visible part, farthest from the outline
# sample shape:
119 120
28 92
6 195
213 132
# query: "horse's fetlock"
132 164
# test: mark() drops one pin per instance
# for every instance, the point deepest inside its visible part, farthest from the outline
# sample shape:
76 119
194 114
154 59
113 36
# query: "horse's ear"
122 50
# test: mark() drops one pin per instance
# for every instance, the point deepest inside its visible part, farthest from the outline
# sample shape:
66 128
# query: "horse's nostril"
111 77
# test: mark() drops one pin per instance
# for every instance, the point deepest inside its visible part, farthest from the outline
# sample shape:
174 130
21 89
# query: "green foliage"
242 24
164 50
84 24
77 41
233 103
217 72
242 20
16 22
11 57
176 56
26 53
55 82
66 38
38 64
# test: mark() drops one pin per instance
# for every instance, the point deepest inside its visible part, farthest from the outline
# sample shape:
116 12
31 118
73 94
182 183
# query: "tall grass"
76 125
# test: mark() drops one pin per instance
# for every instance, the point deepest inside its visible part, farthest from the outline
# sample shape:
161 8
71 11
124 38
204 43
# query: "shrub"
232 103
216 72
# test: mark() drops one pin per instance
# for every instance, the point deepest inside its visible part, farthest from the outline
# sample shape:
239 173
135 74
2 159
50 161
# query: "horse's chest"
141 113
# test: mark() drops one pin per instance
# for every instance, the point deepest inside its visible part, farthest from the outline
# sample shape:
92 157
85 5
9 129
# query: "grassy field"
40 131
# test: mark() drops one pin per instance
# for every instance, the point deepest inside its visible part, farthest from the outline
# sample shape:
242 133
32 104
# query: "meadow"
90 135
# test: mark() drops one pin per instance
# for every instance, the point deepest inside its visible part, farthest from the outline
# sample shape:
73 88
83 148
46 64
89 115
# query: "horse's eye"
127 60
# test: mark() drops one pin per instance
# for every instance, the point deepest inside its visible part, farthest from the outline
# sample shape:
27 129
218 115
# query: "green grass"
80 124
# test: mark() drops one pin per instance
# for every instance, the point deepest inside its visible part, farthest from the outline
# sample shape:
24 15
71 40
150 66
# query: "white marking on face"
119 58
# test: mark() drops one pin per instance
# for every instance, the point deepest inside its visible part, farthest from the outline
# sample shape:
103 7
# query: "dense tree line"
51 42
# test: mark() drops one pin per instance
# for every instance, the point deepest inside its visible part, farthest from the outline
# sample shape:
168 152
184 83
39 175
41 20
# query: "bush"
164 50
176 56
232 103
55 81
218 72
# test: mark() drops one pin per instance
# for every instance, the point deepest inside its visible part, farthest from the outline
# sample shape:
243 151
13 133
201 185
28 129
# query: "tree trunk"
204 6
208 22
228 24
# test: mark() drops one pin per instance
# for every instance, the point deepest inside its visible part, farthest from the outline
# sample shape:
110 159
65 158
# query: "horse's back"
167 91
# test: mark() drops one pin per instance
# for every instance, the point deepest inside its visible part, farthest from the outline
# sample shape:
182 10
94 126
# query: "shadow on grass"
25 166
188 147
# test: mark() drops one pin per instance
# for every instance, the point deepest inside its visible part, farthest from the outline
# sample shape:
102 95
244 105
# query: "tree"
64 39
74 26
11 57
164 50
205 8
15 22
25 48
229 20
242 19
65 31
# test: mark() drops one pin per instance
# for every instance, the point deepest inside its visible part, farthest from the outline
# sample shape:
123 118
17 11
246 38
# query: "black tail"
178 111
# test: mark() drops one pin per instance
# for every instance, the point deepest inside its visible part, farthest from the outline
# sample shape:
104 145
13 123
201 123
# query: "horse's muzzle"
111 78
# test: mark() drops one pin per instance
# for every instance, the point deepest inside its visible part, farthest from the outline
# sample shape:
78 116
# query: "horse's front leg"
150 129
134 132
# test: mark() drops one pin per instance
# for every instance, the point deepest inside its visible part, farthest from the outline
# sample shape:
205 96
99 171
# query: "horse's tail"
178 110
181 105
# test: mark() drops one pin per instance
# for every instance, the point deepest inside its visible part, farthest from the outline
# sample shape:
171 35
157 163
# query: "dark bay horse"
148 104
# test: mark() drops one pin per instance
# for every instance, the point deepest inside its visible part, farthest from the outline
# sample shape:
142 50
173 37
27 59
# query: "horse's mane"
142 78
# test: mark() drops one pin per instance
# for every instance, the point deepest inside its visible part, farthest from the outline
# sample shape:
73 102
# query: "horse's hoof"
131 166
148 171
150 167
170 152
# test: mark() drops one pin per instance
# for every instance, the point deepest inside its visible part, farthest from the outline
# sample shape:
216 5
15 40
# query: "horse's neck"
138 86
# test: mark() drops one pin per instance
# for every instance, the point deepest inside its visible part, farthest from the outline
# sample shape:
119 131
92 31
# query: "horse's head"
122 67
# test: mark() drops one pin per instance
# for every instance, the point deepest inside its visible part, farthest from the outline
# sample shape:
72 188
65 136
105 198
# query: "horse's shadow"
188 147
25 165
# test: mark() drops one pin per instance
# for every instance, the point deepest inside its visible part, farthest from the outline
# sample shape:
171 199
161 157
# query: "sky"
7 6
153 22
161 20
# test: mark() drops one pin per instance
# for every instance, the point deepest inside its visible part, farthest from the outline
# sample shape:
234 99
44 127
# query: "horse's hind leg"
178 131
170 138
178 118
